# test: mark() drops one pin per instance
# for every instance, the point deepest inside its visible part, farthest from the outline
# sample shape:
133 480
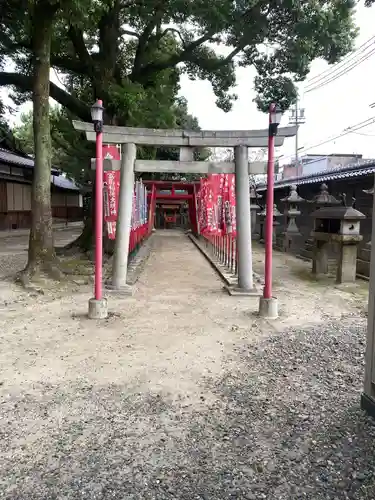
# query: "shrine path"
183 393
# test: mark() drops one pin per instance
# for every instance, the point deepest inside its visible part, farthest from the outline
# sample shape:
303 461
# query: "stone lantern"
262 216
340 225
254 207
292 234
323 198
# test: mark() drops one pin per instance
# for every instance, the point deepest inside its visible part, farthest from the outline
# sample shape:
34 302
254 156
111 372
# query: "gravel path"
184 394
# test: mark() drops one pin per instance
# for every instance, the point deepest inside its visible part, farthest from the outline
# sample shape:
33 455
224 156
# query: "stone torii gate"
187 141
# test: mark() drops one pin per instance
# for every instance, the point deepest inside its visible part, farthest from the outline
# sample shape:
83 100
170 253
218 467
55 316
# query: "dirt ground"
13 246
184 393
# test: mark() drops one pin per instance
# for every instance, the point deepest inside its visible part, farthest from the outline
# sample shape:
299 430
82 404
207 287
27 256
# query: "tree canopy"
128 52
72 155
7 139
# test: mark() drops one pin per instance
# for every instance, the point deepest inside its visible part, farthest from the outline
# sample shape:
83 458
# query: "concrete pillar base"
268 308
235 291
98 309
121 290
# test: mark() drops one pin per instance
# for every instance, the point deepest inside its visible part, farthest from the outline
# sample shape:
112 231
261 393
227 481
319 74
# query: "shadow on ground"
285 425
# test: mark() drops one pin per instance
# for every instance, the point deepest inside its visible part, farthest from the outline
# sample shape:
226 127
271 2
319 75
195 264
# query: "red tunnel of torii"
155 194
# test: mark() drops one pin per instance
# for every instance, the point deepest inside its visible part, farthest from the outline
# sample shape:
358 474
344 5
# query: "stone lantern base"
347 256
292 242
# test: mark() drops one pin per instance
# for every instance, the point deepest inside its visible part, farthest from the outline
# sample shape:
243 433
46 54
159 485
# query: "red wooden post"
99 214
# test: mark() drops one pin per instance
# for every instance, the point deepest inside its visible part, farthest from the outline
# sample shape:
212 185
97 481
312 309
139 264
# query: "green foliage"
24 132
274 89
136 70
69 152
7 139
72 153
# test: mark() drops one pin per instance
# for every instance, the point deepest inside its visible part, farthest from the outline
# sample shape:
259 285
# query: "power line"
365 135
327 73
343 72
348 130
344 61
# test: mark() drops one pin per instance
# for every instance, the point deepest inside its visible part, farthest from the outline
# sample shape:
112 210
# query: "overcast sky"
329 110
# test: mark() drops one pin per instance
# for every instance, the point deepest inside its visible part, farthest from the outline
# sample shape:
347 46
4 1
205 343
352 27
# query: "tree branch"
145 36
142 44
7 44
79 45
143 73
130 33
67 63
24 83
234 52
109 32
172 30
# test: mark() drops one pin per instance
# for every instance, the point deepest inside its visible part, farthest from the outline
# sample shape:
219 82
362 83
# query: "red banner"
209 208
111 230
227 222
111 190
232 203
217 205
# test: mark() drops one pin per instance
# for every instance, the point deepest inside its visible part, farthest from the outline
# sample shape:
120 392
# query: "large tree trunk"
41 256
85 242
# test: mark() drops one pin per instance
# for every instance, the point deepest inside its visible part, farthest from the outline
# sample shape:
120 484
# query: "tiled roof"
64 183
12 158
358 169
17 160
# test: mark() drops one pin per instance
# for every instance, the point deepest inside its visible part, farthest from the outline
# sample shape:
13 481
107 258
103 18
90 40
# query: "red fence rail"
137 235
224 249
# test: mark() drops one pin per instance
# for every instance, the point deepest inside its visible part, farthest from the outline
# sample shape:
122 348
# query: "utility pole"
297 118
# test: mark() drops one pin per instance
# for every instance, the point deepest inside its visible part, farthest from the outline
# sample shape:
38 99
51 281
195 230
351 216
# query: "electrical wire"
343 72
364 135
330 70
349 130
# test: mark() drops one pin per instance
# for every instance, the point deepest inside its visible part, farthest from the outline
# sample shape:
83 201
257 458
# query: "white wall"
315 165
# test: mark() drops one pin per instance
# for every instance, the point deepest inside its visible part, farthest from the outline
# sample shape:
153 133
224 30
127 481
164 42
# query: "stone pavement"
183 393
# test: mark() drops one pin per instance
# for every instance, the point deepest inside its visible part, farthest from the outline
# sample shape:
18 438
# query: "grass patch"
78 265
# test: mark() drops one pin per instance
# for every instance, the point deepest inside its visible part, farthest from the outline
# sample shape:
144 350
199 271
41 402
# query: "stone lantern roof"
338 212
276 213
293 197
324 198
